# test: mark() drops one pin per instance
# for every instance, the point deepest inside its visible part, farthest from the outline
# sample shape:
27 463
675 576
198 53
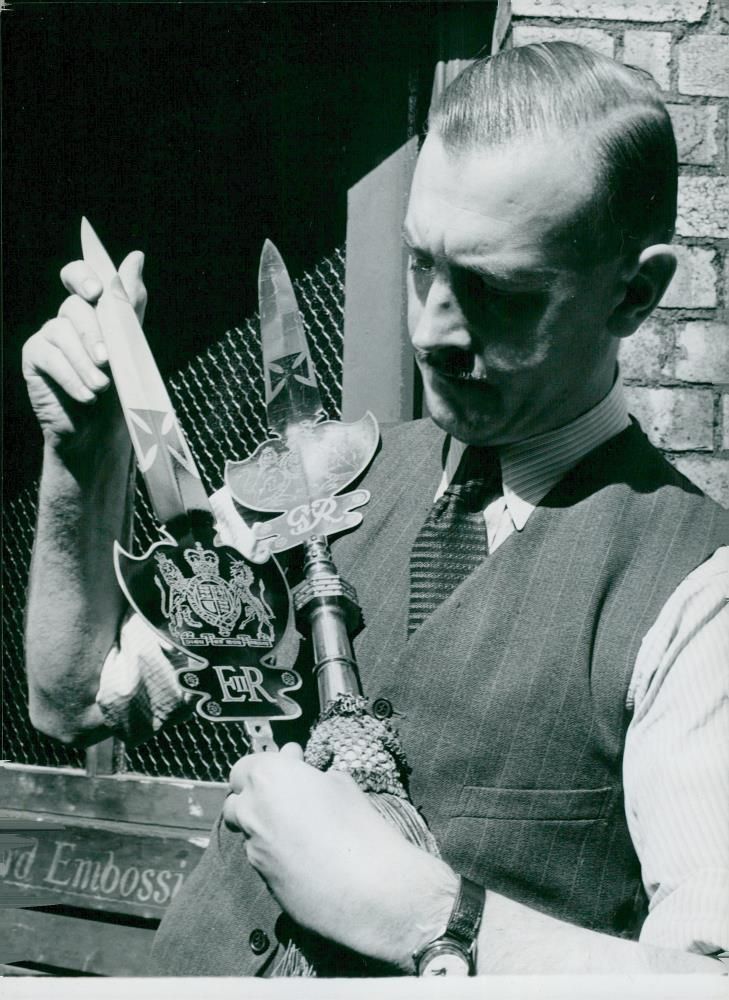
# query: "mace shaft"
327 606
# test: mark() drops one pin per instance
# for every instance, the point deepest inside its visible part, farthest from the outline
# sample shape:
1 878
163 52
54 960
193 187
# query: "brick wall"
676 366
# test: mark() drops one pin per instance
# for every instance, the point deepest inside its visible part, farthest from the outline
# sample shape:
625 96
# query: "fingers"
230 817
70 341
252 774
255 765
235 803
79 279
239 773
82 318
56 353
130 272
67 351
77 334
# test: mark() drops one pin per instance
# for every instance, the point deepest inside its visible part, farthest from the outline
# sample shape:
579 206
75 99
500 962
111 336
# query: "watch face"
443 960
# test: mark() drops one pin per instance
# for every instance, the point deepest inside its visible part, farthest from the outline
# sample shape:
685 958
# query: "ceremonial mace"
232 617
229 608
298 475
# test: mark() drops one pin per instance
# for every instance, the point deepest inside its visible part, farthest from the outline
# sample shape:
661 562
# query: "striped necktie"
453 542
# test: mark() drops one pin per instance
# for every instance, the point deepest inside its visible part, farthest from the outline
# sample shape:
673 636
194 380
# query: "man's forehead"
533 174
533 186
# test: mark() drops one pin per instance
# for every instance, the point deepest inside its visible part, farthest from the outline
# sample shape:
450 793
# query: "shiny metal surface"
302 469
328 606
160 446
292 391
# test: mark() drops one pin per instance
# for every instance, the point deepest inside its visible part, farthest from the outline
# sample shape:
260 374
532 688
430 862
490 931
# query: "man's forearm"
515 940
74 601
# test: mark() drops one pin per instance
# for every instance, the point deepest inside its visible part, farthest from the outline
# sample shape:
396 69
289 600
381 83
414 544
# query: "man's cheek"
510 338
515 351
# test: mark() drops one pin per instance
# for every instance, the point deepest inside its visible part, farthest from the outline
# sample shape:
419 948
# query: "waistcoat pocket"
543 804
545 847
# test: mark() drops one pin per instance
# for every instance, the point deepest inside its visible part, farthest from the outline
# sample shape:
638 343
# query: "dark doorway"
193 132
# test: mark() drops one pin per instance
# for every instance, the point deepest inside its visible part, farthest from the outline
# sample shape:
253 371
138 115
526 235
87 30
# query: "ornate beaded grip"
347 738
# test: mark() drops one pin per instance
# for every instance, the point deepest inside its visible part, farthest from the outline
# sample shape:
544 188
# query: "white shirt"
676 759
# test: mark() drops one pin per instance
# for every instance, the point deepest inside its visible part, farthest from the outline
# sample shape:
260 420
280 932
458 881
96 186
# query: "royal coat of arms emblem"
192 605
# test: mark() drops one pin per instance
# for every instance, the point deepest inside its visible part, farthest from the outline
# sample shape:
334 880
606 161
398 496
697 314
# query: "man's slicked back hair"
558 90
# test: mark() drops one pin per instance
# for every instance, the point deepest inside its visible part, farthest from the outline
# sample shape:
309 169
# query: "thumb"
130 272
292 750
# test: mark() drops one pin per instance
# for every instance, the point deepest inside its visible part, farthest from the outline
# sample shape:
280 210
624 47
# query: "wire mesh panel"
218 398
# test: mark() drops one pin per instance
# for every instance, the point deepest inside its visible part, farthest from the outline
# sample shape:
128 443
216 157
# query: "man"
561 707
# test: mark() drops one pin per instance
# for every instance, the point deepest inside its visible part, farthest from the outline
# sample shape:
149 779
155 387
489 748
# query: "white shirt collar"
531 468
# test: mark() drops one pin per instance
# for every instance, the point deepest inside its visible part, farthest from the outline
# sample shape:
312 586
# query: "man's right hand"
65 362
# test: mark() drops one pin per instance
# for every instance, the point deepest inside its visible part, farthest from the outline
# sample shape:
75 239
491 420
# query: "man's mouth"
452 363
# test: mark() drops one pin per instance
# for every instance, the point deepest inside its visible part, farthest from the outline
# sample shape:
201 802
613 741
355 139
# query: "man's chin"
469 427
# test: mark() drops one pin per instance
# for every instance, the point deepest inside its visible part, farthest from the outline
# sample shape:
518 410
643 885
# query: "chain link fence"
219 400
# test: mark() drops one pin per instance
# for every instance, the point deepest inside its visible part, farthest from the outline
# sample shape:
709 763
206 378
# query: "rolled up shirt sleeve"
138 689
676 765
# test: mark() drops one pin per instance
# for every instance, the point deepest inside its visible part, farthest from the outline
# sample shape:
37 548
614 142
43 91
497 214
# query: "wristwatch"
454 952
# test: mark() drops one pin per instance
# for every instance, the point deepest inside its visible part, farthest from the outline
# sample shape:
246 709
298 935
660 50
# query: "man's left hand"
332 862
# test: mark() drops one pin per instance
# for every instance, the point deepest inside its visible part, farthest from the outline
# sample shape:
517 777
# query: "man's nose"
436 318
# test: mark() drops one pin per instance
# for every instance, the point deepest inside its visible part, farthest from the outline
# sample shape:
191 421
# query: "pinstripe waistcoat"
510 697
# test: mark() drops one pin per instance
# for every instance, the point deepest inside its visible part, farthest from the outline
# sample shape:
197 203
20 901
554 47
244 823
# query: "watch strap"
465 918
462 929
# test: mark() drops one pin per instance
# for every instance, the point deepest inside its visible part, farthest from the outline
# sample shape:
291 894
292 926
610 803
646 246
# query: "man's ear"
644 290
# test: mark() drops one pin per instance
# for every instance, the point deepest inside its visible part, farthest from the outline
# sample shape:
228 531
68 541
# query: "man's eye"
494 291
420 265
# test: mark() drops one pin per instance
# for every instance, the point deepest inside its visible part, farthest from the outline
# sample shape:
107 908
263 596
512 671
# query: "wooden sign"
123 868
103 855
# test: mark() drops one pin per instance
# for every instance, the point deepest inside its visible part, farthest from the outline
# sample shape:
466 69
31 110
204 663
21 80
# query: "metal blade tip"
94 253
88 234
270 255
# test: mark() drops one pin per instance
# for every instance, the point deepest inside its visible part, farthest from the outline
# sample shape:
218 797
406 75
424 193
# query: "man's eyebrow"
526 275
531 275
